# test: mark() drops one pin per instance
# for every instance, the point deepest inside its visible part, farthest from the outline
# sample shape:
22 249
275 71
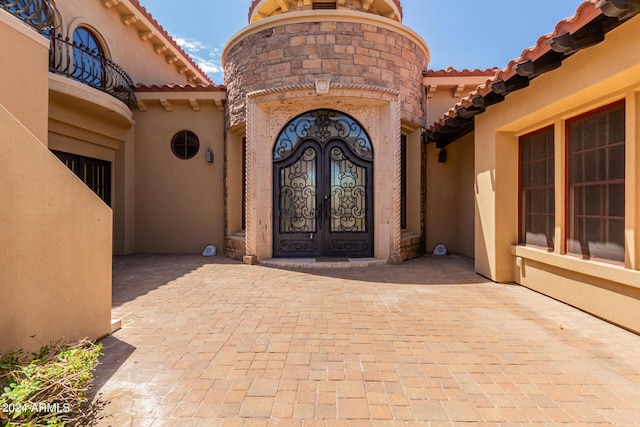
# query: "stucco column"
496 228
632 210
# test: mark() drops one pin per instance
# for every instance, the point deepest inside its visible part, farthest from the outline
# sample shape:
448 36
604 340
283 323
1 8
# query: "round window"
185 144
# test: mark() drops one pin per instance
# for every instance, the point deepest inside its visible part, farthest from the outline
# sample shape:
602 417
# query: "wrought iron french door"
323 202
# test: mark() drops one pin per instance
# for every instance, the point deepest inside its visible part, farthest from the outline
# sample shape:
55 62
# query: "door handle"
325 207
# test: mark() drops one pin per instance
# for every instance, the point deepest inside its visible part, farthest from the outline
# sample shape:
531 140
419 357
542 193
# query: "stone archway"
268 112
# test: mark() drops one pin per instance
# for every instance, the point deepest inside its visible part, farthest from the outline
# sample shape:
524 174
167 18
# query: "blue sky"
460 33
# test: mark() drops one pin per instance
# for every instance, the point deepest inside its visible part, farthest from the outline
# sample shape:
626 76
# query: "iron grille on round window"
185 144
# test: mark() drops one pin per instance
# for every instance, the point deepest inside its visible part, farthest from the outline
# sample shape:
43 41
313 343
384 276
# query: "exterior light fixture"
208 155
442 156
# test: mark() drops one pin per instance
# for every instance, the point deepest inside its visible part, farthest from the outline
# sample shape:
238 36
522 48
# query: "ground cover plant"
48 387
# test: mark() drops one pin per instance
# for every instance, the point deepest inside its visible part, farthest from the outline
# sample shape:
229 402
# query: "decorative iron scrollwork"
39 14
91 68
298 195
322 126
348 194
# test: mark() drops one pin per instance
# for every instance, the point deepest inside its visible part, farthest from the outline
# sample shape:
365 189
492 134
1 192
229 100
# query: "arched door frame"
323 187
376 108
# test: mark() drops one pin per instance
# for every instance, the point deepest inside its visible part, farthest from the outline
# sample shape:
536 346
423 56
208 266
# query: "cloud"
206 57
190 45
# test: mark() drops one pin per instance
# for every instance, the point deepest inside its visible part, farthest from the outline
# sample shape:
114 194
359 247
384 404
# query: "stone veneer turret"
344 46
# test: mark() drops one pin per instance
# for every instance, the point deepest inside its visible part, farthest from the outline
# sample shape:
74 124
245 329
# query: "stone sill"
600 270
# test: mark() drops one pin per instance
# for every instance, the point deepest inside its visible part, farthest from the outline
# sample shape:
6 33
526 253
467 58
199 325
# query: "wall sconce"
442 156
208 156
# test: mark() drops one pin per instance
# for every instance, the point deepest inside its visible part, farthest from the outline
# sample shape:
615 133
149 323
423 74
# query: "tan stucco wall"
179 203
261 9
613 294
414 179
234 182
592 78
23 78
450 197
55 247
91 123
122 42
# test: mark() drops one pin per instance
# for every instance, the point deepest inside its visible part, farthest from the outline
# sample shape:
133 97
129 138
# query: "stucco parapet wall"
84 96
24 29
260 8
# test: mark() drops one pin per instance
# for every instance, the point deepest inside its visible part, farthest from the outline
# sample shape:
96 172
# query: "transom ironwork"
322 126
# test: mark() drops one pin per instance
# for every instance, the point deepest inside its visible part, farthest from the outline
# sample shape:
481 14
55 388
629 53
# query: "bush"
48 388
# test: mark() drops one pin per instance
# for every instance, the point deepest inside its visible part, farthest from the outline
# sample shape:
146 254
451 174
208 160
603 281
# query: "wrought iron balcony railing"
90 67
39 14
70 59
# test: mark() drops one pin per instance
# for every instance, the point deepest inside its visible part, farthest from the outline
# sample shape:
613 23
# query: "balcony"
73 60
91 68
39 14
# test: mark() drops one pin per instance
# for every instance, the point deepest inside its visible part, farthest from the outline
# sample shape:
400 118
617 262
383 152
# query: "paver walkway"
213 342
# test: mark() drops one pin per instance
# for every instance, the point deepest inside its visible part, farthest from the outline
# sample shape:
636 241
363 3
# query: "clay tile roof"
452 72
160 28
180 88
587 13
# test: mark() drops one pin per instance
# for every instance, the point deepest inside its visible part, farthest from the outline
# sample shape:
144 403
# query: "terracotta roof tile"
179 88
452 72
585 14
160 28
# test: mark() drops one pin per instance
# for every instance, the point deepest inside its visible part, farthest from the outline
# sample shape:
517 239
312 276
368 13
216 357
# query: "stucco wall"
122 42
450 197
91 123
589 79
55 247
300 47
23 78
179 203
592 78
262 8
55 244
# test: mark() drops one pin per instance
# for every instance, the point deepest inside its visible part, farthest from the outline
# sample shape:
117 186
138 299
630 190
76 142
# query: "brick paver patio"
211 342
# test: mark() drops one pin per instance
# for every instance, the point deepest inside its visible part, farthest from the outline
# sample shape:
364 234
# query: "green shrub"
48 388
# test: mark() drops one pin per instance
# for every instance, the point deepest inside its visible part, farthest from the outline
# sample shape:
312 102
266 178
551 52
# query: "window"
88 58
596 186
185 144
537 193
95 173
324 5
